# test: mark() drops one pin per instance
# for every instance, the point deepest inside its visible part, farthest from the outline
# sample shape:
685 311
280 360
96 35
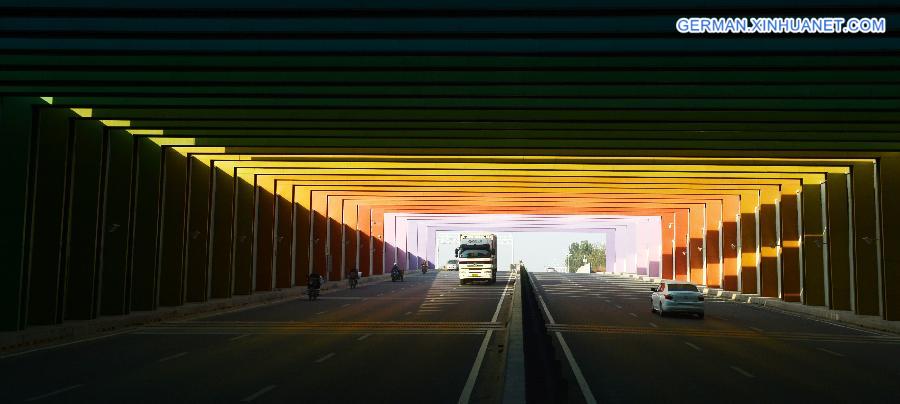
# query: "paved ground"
414 342
738 353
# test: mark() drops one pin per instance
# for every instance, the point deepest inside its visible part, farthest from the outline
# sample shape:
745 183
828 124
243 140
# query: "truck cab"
477 257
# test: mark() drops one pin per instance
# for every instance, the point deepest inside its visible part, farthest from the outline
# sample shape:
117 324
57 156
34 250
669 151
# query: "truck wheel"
462 282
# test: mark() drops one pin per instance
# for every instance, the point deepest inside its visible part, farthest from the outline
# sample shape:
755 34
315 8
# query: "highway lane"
739 352
383 342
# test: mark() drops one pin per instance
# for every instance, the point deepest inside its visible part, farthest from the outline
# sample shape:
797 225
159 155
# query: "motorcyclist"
395 271
424 266
314 283
353 276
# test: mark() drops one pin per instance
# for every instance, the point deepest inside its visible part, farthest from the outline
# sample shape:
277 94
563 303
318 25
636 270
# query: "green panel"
171 244
116 276
85 202
46 287
16 129
197 261
144 266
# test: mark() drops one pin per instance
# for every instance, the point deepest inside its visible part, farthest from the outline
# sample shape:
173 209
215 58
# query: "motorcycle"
313 293
424 269
396 276
353 283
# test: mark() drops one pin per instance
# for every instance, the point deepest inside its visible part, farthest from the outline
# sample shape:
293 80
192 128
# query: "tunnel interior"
179 166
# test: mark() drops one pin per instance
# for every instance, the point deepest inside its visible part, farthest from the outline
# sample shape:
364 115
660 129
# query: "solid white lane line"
696 348
830 352
12 355
364 337
652 324
321 312
632 315
346 305
325 358
618 307
238 337
582 382
466 395
170 357
742 371
407 313
55 392
759 330
259 393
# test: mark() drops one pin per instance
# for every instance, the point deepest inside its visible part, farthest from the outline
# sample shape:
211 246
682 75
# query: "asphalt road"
415 341
738 353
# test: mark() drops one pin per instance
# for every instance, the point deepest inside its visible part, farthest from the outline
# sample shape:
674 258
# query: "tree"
594 253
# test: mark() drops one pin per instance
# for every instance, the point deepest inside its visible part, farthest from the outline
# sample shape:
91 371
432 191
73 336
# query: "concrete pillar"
46 294
335 243
749 247
302 233
318 247
284 235
196 263
681 229
172 225
840 274
731 211
84 205
364 220
667 227
768 242
264 232
889 187
378 244
350 237
242 249
117 279
221 231
713 211
16 129
813 291
790 244
696 219
866 254
146 225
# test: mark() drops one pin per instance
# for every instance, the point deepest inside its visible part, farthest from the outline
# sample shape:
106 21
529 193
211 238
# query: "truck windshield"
475 254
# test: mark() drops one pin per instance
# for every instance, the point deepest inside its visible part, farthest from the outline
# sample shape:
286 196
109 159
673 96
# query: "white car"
452 265
676 297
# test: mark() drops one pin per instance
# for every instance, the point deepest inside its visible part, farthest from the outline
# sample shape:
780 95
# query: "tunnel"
192 156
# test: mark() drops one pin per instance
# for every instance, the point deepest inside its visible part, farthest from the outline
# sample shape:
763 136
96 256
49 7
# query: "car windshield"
475 254
682 287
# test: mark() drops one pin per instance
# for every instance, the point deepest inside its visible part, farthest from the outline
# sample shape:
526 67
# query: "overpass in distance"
175 173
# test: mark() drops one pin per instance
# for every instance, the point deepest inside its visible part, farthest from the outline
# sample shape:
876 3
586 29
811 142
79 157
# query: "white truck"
477 257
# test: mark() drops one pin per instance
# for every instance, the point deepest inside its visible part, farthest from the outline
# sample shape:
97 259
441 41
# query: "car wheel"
700 315
462 282
660 311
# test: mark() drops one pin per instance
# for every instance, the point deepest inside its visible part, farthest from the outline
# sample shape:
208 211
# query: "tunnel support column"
889 174
16 129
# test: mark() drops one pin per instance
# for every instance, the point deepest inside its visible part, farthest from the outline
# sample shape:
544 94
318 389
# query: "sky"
537 250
